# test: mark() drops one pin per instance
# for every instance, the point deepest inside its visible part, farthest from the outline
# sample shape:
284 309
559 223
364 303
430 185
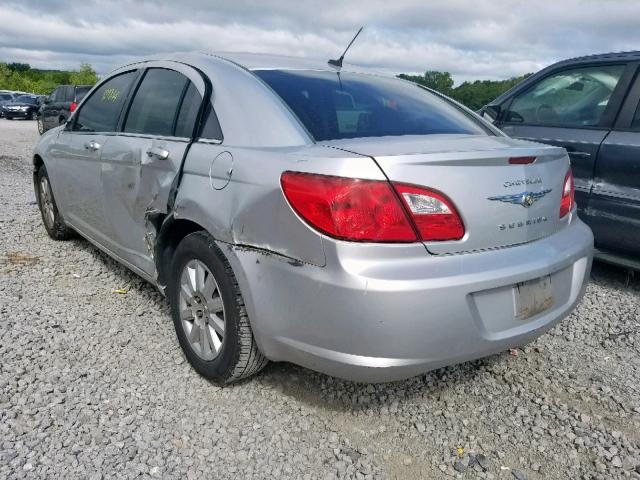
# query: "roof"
586 59
603 57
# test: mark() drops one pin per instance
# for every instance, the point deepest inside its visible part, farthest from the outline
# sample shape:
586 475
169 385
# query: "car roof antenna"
338 62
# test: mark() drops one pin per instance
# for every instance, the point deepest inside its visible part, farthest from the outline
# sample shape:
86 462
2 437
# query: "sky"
481 39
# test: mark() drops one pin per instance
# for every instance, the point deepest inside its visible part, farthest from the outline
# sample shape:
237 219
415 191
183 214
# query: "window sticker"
110 95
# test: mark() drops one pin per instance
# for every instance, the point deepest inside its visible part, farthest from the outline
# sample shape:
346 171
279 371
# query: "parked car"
371 239
59 105
590 106
23 106
5 97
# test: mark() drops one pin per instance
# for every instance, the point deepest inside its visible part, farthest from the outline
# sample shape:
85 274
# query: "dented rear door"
141 163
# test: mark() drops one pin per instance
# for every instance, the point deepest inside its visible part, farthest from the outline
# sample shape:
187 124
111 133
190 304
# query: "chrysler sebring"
337 218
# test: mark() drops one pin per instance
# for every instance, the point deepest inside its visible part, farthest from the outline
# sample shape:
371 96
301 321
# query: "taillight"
568 195
73 106
434 214
370 210
347 208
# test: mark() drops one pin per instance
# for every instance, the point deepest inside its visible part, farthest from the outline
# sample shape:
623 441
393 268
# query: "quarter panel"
251 209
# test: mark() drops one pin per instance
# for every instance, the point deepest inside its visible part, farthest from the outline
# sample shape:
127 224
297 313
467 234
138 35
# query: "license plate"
532 297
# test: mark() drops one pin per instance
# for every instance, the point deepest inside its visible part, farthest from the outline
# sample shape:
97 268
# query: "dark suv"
59 105
590 106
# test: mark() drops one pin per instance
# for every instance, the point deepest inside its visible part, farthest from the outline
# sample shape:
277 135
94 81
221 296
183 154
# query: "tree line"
21 77
471 94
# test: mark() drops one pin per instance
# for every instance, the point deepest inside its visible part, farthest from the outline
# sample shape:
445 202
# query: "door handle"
579 154
159 153
92 145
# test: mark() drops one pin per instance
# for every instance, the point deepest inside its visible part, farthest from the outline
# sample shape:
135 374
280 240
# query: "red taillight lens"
433 213
347 208
568 195
370 210
73 106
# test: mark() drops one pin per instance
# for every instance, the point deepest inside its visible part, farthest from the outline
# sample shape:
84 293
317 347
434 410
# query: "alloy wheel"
46 201
201 310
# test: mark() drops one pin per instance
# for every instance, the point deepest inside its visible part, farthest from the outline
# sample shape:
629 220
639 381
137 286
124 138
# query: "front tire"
53 221
208 313
40 125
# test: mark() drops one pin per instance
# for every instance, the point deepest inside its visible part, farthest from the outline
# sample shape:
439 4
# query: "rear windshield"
81 92
335 105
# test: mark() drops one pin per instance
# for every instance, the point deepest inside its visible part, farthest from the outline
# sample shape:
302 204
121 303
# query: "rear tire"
209 314
51 218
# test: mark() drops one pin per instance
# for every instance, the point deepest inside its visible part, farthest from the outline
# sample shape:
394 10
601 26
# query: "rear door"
615 199
574 108
140 163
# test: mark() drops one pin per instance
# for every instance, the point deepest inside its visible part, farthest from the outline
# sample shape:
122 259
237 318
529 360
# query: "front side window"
571 98
101 111
155 105
334 105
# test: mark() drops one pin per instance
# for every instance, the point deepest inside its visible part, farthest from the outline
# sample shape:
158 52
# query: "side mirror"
490 113
47 100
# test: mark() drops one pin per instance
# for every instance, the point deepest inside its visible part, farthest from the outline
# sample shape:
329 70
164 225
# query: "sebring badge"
526 199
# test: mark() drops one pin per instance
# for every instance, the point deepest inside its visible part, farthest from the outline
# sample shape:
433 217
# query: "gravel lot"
94 385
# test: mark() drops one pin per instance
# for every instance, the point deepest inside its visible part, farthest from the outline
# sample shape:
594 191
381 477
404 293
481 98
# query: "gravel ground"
94 385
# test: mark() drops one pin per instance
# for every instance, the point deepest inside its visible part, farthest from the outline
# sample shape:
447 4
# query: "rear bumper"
370 318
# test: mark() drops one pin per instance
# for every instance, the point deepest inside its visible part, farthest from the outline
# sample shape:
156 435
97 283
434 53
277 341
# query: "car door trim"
114 255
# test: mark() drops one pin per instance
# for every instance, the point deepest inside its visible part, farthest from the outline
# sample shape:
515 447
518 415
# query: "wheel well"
170 235
37 162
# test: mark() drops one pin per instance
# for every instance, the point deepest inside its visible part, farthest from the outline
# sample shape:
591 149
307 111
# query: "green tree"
471 94
438 81
21 77
85 76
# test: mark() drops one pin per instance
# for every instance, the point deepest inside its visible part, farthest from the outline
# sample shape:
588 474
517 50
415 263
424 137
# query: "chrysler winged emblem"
526 199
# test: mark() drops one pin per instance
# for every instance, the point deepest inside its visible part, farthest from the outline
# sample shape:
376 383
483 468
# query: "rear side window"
335 105
57 95
156 102
101 111
572 98
188 112
81 92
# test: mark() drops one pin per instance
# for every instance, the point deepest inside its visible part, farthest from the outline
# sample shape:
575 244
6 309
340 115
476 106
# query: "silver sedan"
347 221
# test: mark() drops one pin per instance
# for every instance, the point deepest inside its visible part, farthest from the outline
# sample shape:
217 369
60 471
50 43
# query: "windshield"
334 106
26 99
5 96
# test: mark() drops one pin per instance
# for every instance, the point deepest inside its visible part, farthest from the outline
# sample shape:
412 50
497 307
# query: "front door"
140 164
572 108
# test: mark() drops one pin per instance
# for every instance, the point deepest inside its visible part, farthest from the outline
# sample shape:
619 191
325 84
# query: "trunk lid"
501 204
